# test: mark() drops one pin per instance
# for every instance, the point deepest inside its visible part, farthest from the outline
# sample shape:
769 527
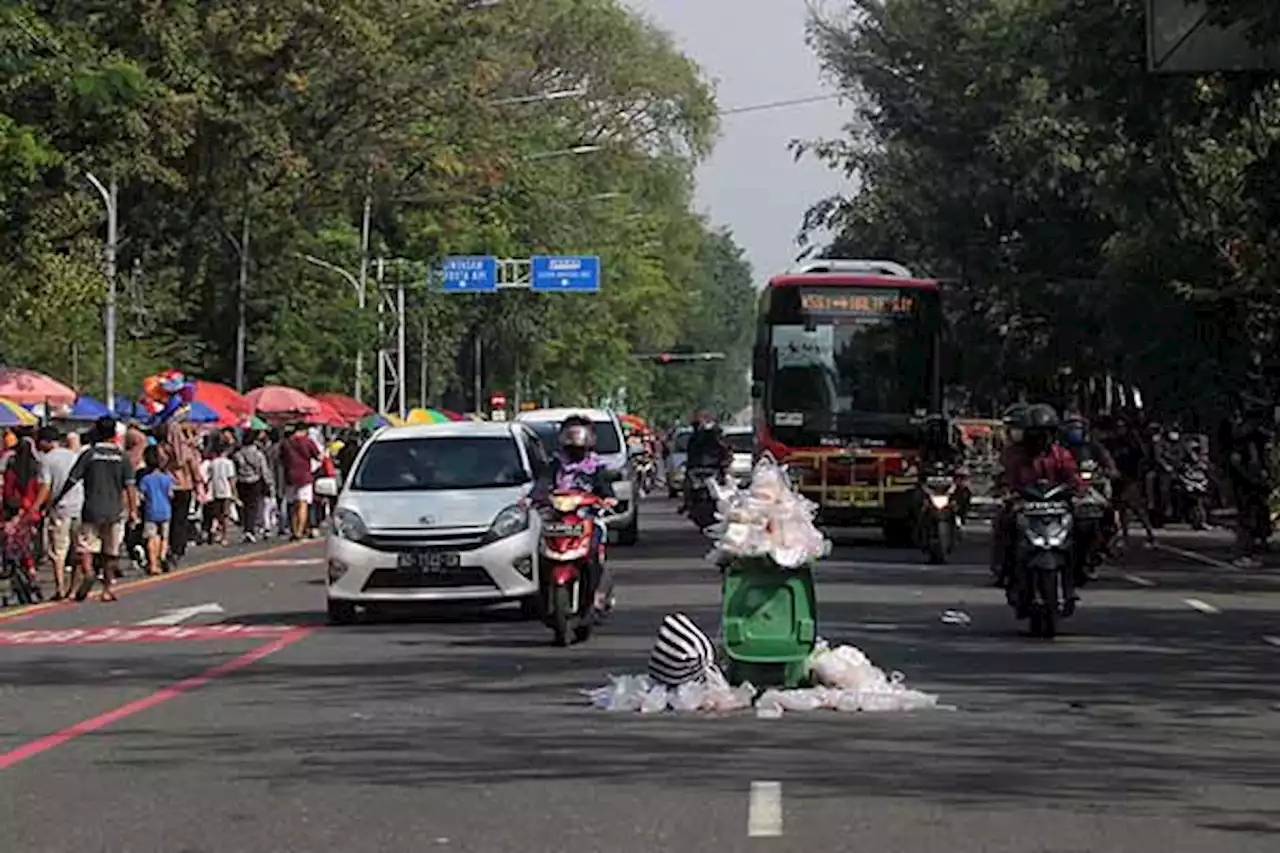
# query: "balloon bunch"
166 393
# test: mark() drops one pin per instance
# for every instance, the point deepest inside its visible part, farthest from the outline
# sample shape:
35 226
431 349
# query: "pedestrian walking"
297 452
62 522
252 484
110 499
156 490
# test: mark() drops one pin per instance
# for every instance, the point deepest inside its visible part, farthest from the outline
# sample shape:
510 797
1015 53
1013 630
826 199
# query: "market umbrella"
86 408
197 412
327 416
351 409
11 415
256 422
220 396
130 410
374 421
280 400
29 388
452 415
427 416
394 420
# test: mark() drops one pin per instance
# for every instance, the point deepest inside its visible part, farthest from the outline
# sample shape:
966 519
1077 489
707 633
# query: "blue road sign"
478 274
577 274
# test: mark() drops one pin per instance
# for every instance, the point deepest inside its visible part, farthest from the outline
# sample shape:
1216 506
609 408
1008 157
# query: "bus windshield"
848 366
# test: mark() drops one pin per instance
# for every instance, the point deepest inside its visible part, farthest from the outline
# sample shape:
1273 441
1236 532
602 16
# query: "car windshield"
740 442
434 464
607 439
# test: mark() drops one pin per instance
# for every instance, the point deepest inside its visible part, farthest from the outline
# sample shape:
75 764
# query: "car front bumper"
498 571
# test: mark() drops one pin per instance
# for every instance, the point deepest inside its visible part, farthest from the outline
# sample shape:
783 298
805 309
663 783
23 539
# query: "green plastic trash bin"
768 623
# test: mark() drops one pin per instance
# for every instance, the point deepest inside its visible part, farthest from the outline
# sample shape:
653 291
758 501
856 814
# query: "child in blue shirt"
156 489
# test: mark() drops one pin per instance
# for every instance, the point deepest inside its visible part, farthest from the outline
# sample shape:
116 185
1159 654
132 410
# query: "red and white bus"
846 368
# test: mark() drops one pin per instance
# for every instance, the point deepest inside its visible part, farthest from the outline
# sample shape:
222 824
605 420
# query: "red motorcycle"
566 553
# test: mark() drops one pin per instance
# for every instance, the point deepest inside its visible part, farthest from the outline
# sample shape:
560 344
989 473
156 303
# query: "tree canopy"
456 119
1096 218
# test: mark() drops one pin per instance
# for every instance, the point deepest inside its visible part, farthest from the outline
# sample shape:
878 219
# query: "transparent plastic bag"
655 700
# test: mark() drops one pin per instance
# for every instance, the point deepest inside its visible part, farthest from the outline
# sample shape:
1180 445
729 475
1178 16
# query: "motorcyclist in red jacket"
1037 457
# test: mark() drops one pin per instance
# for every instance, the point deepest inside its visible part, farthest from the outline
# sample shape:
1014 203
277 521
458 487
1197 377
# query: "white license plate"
428 561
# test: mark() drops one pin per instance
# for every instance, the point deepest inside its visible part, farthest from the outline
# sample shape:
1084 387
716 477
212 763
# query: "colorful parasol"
29 388
427 416
280 400
11 415
374 421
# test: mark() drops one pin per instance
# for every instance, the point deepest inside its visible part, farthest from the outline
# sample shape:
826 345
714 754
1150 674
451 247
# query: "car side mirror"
757 390
759 363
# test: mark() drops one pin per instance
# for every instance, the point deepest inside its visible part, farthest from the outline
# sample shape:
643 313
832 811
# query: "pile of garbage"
847 681
768 519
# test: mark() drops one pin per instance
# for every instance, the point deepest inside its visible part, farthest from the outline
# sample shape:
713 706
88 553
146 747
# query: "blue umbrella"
129 409
196 412
86 408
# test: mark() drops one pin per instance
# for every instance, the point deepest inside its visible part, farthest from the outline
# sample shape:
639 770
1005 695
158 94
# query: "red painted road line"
140 634
48 742
126 587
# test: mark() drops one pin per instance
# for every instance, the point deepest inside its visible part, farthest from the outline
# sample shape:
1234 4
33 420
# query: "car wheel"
341 612
630 535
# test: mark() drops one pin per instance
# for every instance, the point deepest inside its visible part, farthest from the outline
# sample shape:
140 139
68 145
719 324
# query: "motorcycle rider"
576 466
707 449
1037 456
1083 447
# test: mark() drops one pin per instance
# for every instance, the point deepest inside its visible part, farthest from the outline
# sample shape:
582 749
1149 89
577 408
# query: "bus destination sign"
857 302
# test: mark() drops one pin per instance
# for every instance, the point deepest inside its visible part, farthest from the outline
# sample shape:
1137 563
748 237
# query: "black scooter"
937 523
1042 589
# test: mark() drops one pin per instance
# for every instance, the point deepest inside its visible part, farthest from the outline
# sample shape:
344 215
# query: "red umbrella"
28 388
452 415
222 397
282 400
349 408
327 416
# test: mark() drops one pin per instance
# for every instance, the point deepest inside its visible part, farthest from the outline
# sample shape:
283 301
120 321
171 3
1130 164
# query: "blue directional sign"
477 274
562 274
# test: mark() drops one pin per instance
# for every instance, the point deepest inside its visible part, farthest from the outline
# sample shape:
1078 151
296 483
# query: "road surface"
237 721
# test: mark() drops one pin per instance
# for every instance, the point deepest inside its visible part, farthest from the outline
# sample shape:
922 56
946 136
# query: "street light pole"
359 289
362 287
242 297
109 198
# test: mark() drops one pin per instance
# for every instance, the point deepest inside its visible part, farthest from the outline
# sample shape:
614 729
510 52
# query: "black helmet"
1016 415
1041 416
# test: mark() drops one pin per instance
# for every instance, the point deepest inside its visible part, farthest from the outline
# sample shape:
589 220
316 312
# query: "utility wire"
775 105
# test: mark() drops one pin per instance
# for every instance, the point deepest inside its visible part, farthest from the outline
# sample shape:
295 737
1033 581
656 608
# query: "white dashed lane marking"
764 810
1202 606
1137 580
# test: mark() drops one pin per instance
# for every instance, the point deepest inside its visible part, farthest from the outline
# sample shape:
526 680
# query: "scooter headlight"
940 502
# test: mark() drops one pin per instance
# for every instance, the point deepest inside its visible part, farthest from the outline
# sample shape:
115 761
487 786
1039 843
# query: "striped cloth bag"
682 652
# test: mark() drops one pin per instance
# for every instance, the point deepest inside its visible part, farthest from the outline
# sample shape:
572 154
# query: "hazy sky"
755 52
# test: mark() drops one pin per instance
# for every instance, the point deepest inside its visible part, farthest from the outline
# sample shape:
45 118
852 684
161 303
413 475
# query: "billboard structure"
1181 40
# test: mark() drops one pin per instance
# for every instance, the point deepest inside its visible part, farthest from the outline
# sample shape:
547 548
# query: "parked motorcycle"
937 527
567 541
1043 583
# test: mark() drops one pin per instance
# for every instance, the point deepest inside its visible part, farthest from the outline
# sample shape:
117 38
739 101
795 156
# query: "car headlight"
512 520
347 524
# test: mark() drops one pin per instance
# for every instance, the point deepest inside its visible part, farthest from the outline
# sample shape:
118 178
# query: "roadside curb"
129 586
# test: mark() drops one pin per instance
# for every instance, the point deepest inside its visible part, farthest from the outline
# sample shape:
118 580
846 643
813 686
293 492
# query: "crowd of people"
86 506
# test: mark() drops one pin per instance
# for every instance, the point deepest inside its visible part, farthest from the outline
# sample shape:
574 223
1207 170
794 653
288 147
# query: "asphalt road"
1152 724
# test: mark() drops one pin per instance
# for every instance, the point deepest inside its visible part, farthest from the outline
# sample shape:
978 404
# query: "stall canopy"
327 416
430 416
29 388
